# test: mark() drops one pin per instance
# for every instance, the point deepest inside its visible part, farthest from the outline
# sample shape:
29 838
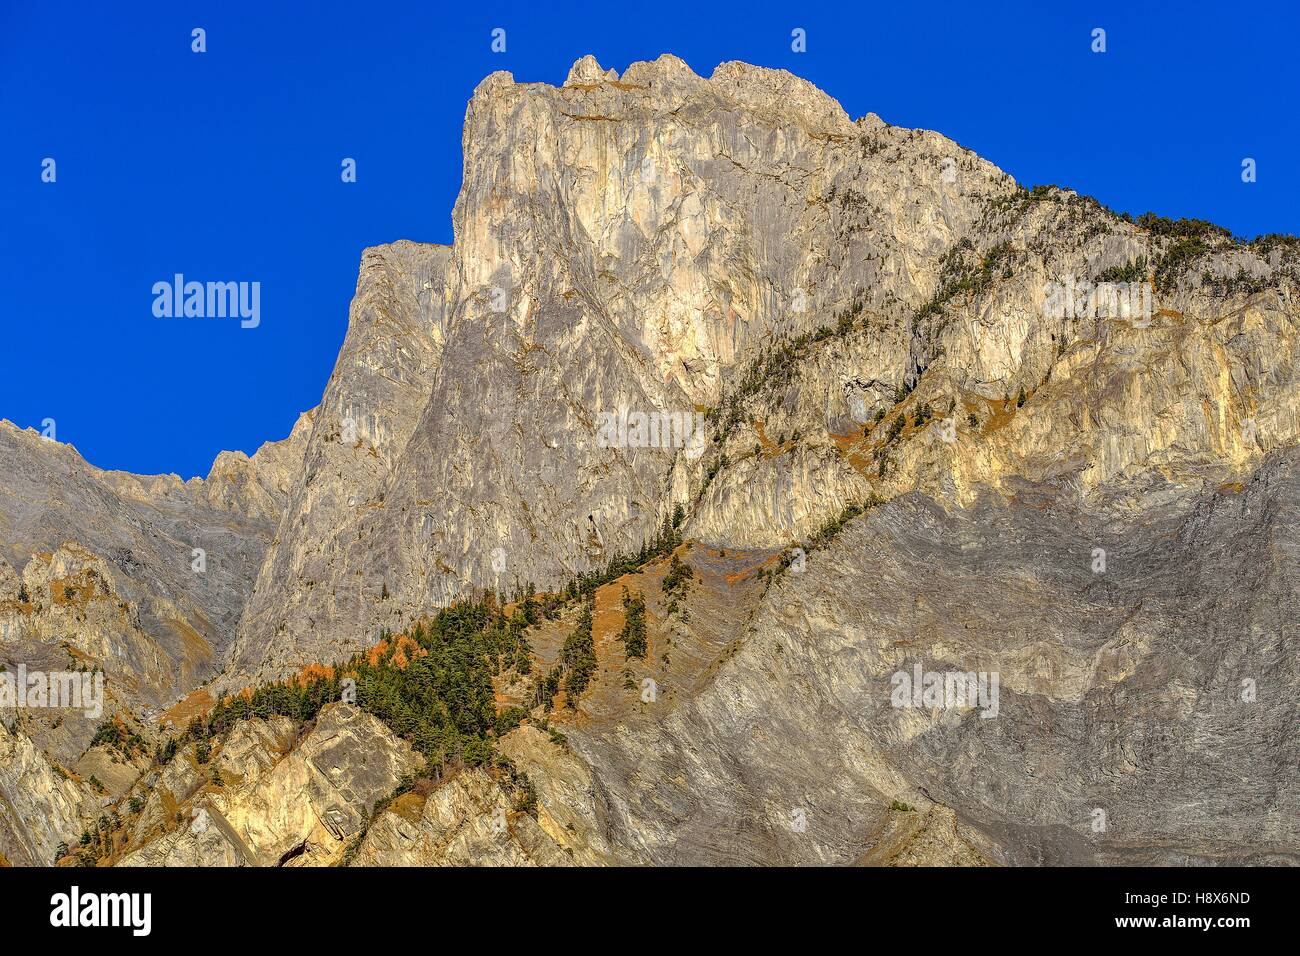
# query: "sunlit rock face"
620 245
658 241
289 796
634 243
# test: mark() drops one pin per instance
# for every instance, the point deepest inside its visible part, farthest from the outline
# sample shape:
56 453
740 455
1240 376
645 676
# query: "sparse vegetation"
828 531
963 273
578 657
119 737
1135 271
776 368
1181 228
1178 258
678 576
675 584
664 542
1242 282
1194 238
895 429
825 534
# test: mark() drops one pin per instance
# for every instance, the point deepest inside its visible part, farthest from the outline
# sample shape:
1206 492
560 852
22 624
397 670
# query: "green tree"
633 634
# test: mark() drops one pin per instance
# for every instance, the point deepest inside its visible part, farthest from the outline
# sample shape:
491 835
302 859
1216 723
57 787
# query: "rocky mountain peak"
761 88
587 70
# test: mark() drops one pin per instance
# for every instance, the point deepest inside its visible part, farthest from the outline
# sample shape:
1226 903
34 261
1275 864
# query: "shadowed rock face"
866 313
373 401
1122 692
105 561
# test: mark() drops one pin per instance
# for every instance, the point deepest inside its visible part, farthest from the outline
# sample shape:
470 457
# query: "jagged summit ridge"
668 79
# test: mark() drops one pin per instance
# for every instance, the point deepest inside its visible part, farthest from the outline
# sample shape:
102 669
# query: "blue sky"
225 165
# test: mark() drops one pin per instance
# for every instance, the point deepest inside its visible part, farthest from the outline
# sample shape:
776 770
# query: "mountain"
101 571
810 408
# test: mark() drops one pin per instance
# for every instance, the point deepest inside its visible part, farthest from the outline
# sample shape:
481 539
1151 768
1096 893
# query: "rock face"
39 806
371 406
142 579
1077 434
1131 699
465 822
635 244
282 801
620 246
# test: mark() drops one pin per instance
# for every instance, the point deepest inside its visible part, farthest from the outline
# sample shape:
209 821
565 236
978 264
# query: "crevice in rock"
299 850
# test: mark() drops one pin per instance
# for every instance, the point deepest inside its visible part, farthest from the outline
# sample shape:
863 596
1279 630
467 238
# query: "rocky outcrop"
568 794
40 805
257 487
323 795
466 821
282 801
928 838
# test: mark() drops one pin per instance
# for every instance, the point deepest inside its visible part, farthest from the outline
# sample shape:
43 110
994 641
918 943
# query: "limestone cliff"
664 242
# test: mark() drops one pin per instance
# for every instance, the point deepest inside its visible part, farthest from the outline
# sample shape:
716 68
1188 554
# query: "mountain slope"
931 402
99 571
